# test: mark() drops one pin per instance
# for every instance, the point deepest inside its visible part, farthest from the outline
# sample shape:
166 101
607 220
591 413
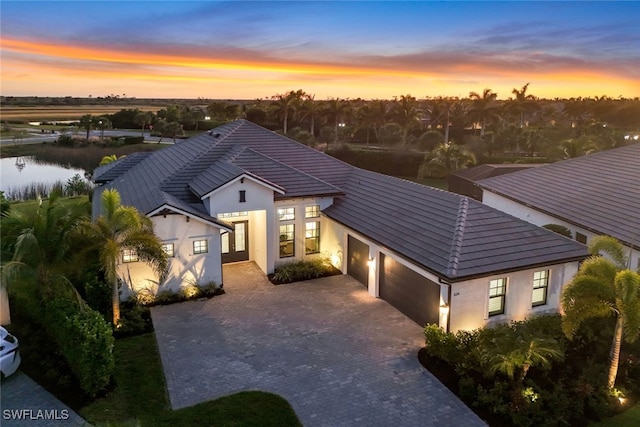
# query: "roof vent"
217 135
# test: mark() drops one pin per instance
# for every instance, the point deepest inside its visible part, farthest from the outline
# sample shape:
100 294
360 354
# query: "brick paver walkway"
338 355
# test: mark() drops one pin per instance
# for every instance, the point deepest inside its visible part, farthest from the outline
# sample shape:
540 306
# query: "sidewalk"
23 402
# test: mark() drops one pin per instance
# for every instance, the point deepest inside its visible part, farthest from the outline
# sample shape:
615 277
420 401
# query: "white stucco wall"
469 306
538 218
184 267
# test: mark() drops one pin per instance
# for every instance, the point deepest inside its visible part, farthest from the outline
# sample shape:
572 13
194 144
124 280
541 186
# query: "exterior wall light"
444 309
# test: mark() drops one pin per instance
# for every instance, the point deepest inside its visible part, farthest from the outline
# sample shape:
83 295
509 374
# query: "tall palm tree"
443 159
336 110
285 105
483 108
309 109
123 227
405 112
523 103
604 286
86 122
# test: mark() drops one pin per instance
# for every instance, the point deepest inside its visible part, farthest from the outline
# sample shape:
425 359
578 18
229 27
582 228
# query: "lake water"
20 172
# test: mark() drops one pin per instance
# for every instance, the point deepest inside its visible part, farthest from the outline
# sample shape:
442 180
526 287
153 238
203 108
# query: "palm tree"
443 159
40 241
309 108
440 111
405 112
285 105
483 108
119 228
86 122
523 103
335 110
604 286
143 119
509 351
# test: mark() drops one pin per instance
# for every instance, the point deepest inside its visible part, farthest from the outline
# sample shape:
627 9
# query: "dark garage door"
358 255
414 295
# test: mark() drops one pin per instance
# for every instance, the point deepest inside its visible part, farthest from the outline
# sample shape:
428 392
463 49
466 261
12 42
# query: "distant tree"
284 106
335 111
405 113
523 103
86 122
483 108
604 286
143 119
443 159
76 185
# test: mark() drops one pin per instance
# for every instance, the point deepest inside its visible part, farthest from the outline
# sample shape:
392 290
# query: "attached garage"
357 262
412 294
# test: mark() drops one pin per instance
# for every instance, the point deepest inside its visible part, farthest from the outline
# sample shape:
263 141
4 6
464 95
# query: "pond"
23 177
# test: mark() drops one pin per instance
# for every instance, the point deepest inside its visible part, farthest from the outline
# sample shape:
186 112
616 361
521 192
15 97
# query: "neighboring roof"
599 192
450 235
486 171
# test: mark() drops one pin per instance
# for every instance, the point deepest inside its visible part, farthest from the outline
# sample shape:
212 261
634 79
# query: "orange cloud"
235 73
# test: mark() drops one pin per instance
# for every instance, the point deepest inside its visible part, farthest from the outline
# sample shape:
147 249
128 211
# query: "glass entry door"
235 244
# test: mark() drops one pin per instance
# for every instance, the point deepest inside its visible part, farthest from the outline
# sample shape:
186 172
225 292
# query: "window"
129 255
168 249
232 214
581 238
312 211
540 285
287 238
286 214
243 196
200 247
312 238
497 292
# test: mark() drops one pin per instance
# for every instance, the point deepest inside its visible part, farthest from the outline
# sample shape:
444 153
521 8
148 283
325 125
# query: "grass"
30 205
66 112
139 397
629 418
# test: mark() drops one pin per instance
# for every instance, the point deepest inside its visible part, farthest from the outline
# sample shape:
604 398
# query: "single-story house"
596 194
241 192
464 181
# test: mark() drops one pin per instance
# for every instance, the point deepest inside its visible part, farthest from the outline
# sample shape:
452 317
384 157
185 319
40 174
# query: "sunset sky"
249 50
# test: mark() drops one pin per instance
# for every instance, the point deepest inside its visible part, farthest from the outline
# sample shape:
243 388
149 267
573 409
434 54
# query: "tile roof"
451 235
599 192
488 170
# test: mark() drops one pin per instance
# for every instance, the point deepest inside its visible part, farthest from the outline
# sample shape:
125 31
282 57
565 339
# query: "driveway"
338 355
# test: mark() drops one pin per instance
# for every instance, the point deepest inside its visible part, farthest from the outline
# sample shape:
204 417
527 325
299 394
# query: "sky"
345 49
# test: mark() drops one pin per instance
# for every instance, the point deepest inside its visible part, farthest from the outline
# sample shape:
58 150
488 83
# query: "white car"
9 353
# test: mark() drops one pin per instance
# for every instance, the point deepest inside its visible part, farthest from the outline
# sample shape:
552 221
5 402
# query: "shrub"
134 320
560 229
85 340
303 270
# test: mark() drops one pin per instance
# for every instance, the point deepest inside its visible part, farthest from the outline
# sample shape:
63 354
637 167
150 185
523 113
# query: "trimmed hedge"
84 339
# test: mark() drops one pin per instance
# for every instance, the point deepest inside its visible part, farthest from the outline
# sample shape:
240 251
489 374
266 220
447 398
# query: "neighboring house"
464 181
596 194
242 192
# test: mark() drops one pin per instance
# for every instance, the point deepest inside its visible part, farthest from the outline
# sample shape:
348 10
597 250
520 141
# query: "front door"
235 244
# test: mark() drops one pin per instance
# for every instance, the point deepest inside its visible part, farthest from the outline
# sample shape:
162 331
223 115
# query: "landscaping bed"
303 270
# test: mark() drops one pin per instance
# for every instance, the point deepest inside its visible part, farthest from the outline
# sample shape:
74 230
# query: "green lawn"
629 418
65 201
140 398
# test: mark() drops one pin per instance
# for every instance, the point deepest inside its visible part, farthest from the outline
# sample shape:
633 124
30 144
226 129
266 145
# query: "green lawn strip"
629 418
140 394
64 201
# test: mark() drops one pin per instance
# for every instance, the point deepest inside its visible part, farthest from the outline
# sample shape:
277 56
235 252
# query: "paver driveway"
338 355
